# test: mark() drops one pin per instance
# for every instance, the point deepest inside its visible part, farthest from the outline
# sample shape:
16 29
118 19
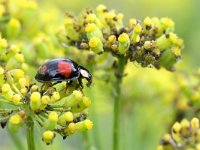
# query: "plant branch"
117 102
30 134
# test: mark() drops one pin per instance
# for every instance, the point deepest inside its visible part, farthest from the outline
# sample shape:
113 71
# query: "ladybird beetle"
62 69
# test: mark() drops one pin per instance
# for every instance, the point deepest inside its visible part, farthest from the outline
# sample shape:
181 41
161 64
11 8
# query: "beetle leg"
69 83
80 83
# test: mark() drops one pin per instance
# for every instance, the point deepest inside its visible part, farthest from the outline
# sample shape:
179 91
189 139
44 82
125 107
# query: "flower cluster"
187 97
59 108
151 42
184 135
17 23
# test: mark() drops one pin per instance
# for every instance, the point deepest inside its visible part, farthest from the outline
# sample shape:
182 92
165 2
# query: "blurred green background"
146 106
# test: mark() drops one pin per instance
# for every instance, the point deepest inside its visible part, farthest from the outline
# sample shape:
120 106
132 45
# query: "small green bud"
93 31
51 122
148 23
160 147
13 28
85 103
167 59
5 87
35 102
135 37
70 129
3 44
132 22
73 99
19 57
194 123
14 123
163 42
34 88
23 82
185 124
69 29
16 99
96 45
24 91
44 101
55 97
64 118
17 74
124 43
176 129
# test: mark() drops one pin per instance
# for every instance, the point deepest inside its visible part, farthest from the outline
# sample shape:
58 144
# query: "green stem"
94 116
86 141
117 103
30 134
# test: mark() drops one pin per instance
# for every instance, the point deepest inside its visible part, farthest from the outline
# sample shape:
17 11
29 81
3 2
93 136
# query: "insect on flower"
63 69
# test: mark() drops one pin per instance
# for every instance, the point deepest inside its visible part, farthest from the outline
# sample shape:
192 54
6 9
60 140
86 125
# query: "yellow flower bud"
3 44
138 28
101 8
112 38
147 21
69 116
88 124
64 118
1 71
23 91
45 99
35 97
79 127
15 119
86 101
16 99
5 87
35 100
56 96
195 123
176 51
94 42
14 49
53 116
48 136
123 37
176 128
19 57
73 99
160 147
120 17
68 21
124 43
24 66
23 82
71 128
90 18
132 22
51 122
34 88
2 10
90 27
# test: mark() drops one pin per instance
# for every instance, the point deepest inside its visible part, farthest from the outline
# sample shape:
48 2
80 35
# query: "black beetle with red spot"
62 69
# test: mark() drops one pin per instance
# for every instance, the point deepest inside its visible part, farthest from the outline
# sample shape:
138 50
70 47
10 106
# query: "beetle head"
86 74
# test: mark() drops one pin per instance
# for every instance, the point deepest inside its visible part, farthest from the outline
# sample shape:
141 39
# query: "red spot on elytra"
64 68
43 69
